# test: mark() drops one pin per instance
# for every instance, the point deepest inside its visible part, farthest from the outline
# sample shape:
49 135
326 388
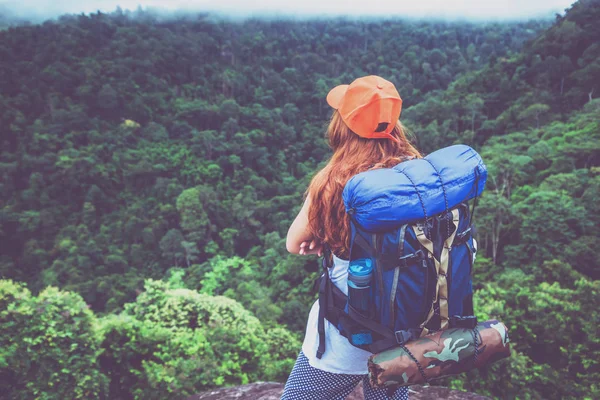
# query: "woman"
364 133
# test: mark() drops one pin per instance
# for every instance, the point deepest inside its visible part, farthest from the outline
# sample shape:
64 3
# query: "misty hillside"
150 169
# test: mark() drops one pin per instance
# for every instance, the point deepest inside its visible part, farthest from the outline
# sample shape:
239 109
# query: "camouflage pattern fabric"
439 354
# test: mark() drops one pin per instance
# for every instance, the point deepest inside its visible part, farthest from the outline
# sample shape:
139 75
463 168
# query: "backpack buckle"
466 322
404 261
403 337
462 237
326 261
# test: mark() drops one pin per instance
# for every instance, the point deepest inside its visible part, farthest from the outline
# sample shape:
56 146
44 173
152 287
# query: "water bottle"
359 284
359 297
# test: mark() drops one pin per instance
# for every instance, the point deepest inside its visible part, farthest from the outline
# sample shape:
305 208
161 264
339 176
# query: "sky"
451 9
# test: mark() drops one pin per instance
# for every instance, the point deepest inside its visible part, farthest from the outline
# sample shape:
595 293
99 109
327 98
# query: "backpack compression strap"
441 267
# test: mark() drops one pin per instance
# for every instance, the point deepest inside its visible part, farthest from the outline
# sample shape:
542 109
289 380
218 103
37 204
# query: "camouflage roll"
443 353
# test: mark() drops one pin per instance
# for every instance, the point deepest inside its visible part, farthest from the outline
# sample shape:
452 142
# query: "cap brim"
335 96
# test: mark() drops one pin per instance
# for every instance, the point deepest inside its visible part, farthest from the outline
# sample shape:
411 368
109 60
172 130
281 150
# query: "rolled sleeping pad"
443 353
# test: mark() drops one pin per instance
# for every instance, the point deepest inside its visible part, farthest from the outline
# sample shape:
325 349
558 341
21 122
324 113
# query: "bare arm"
299 238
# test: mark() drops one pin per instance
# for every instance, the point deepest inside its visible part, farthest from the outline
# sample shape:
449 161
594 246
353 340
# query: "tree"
495 219
556 234
194 219
191 252
534 112
48 345
474 105
108 98
171 246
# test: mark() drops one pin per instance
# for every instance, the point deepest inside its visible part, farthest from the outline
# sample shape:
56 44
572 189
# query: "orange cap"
366 103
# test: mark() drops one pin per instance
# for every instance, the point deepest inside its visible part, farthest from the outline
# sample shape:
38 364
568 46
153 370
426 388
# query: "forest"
150 168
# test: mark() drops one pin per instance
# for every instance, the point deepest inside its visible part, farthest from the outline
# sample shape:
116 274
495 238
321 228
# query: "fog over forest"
467 9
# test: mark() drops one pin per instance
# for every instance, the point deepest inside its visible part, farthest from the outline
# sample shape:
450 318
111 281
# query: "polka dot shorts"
308 383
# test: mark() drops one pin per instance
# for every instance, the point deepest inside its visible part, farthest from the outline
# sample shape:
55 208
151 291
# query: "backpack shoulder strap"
324 297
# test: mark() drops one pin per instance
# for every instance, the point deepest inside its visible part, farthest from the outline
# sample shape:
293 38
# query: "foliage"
554 336
135 148
170 343
182 342
48 345
122 133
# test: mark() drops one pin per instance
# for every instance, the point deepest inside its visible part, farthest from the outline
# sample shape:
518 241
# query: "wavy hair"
352 154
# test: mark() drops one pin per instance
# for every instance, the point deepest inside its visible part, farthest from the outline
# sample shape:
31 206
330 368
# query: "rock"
272 391
252 391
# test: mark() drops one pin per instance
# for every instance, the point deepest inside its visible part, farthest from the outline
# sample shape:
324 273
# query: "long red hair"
352 154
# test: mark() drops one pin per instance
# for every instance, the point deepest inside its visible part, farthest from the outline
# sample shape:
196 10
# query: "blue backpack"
412 224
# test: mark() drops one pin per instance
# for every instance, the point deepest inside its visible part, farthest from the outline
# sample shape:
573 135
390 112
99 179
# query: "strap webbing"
476 184
468 307
324 299
369 323
378 270
441 267
362 242
322 311
399 254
